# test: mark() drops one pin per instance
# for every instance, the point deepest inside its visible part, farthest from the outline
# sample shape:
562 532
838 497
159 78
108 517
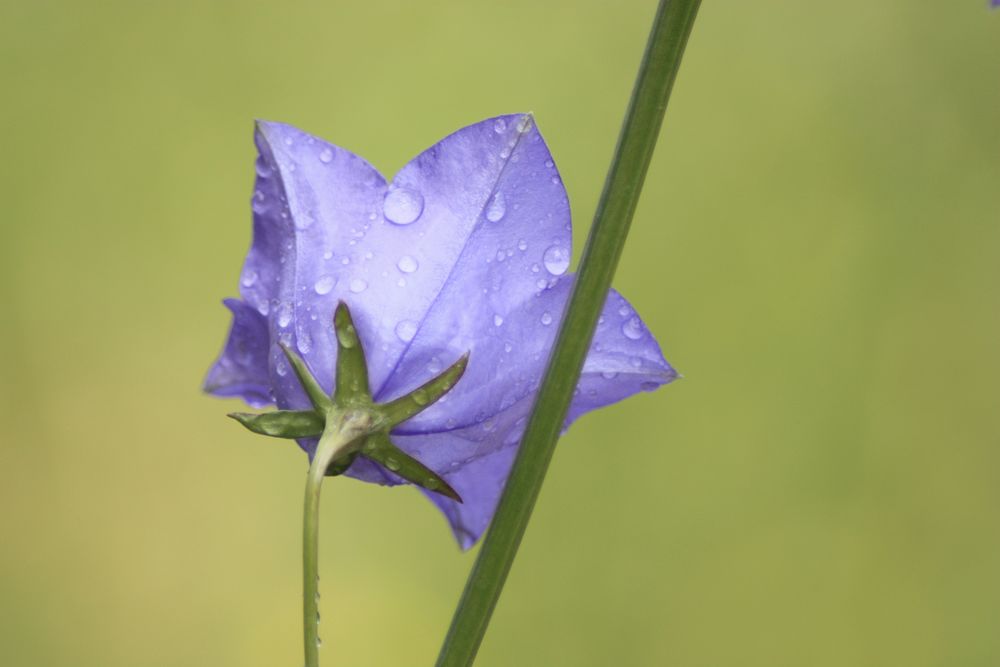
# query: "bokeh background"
817 248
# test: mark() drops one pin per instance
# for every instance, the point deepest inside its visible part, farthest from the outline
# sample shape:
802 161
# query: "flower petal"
507 360
241 369
475 457
328 227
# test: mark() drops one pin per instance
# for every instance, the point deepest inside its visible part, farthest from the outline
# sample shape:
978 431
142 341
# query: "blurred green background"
817 248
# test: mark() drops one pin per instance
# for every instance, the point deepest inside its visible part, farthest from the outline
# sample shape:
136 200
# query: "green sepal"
316 395
423 397
283 423
340 466
378 447
352 369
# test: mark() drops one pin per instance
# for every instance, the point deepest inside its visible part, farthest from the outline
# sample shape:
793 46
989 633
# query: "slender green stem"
671 28
336 439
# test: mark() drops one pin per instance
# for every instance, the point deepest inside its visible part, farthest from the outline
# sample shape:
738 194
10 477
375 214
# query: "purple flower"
466 250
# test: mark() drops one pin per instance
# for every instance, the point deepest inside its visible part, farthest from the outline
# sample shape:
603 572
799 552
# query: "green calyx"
351 407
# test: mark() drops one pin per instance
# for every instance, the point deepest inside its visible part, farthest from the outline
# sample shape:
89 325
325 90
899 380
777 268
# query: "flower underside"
465 250
352 398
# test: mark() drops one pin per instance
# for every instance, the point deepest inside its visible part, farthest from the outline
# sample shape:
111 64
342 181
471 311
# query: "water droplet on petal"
407 264
325 156
522 245
258 203
499 125
280 368
324 285
406 330
507 347
358 285
632 328
556 260
305 342
284 314
608 375
524 124
496 208
546 318
497 320
249 278
402 206
263 169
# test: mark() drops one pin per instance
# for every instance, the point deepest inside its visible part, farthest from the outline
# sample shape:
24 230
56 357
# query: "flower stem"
671 28
339 435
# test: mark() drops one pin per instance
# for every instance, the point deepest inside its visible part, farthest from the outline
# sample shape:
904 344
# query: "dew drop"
632 328
324 285
541 283
262 168
501 255
325 156
249 278
407 264
550 164
499 125
358 285
420 397
392 464
281 369
524 124
497 320
258 204
406 330
546 318
496 208
347 336
522 245
402 206
507 347
608 375
319 642
556 260
636 362
284 315
328 255
305 342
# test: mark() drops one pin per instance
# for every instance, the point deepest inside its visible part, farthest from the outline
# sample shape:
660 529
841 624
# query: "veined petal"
241 369
507 360
389 250
475 457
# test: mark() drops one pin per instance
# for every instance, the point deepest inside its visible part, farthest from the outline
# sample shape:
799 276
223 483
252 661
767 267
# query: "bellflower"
464 252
